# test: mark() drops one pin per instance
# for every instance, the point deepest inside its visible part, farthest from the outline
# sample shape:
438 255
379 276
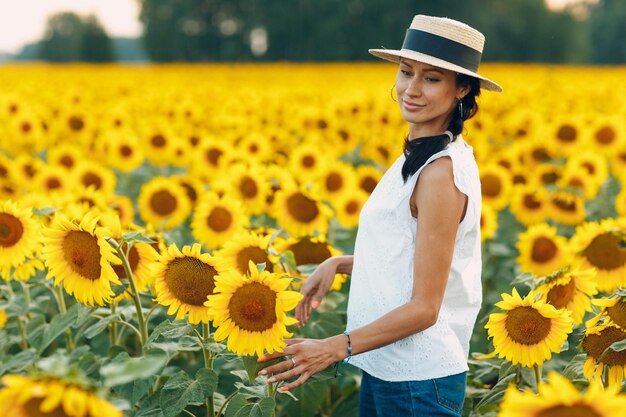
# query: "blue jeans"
437 397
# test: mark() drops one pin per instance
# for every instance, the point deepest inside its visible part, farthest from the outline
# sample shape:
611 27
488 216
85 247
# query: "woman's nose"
414 88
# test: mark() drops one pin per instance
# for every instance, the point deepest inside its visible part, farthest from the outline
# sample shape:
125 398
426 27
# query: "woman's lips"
411 106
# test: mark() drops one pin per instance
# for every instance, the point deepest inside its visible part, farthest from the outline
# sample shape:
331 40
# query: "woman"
415 289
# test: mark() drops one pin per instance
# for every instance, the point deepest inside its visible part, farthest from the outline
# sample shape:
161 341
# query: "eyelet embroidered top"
382 274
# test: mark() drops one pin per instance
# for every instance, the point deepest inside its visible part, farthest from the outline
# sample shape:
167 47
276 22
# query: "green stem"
63 309
26 290
130 326
129 274
113 325
208 363
20 325
537 369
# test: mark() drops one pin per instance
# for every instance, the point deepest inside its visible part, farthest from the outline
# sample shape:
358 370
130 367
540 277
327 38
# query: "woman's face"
427 96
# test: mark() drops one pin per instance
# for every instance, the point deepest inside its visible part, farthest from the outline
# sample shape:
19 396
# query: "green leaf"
19 362
310 396
171 330
41 335
236 403
123 369
253 367
44 211
180 391
615 347
264 408
99 326
328 324
261 266
495 395
306 269
137 237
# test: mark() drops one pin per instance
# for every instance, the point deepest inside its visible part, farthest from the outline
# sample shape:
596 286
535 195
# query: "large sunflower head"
570 288
541 250
248 246
529 330
495 185
183 281
19 234
77 255
602 246
250 310
613 308
595 342
40 397
300 211
216 219
560 398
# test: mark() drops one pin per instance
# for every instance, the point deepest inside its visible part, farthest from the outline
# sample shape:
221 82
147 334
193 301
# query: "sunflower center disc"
352 207
163 203
368 184
595 344
254 254
334 182
190 280
604 252
527 326
617 313
11 230
531 203
253 307
82 253
544 249
605 135
33 406
561 295
220 219
491 185
248 187
307 252
302 208
566 133
564 205
92 179
576 410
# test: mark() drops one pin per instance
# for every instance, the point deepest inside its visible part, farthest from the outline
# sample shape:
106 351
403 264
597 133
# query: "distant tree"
607 31
95 44
62 38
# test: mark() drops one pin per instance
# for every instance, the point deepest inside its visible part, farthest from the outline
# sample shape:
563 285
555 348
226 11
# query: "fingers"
283 367
301 380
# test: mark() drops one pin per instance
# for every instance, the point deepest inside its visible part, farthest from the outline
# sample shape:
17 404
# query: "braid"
417 151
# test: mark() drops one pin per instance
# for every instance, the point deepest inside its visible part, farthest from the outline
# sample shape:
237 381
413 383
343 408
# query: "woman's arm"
440 206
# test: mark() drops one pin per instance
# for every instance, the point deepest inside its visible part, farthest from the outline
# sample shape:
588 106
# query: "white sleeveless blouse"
382 275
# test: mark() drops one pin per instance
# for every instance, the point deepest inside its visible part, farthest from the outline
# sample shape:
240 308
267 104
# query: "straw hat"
444 43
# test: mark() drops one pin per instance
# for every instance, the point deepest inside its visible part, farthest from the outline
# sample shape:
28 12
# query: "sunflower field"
156 223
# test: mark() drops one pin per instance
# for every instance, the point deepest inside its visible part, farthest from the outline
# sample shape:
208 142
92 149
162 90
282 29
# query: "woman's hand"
305 357
314 288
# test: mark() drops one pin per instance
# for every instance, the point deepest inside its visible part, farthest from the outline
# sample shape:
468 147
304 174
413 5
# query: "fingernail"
284 389
315 304
261 359
262 372
270 380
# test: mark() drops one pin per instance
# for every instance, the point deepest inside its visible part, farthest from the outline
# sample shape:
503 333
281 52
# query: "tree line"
340 30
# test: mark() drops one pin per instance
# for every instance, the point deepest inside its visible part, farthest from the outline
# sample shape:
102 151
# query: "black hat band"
442 48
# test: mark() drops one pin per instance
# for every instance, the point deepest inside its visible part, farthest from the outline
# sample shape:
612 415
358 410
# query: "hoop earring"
391 92
461 108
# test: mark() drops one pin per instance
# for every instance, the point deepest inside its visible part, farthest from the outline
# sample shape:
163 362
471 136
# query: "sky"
24 21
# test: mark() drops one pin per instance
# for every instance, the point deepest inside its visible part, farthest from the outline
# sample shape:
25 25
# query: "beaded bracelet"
347 359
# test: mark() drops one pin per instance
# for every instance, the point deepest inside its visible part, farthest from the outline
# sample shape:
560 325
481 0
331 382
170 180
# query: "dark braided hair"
418 150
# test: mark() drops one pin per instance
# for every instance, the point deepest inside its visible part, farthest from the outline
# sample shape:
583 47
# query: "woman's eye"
405 72
432 80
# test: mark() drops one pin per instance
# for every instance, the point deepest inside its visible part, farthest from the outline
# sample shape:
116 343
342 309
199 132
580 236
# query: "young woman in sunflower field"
415 290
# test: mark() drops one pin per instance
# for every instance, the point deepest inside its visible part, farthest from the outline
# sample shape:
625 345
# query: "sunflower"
24 271
158 143
594 343
529 331
495 184
368 177
488 222
541 250
336 180
570 288
306 161
163 201
124 151
547 174
577 179
184 280
3 318
528 204
192 185
248 246
566 208
592 164
66 155
19 234
53 179
613 308
278 178
90 174
250 310
247 183
300 211
39 397
123 206
348 207
209 156
564 135
607 134
216 219
141 258
78 255
601 245
310 251
26 169
560 398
